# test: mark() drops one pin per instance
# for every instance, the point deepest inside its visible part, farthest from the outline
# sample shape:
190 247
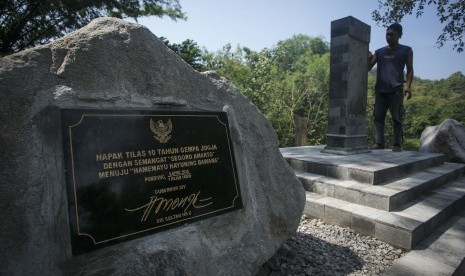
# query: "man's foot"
378 146
396 148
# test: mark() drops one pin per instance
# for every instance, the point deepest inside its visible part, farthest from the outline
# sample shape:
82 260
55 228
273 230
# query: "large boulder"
112 64
447 138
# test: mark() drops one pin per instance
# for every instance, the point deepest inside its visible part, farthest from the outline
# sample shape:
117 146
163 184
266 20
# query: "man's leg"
396 108
380 116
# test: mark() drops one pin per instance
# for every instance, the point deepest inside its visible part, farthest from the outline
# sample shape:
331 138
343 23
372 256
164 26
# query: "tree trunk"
300 137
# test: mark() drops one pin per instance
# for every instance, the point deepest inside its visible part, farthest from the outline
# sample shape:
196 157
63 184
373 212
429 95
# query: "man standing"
389 89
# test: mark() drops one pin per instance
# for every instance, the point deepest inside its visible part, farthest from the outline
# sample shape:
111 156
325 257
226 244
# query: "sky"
259 24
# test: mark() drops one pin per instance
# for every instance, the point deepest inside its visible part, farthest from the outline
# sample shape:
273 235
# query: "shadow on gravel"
304 254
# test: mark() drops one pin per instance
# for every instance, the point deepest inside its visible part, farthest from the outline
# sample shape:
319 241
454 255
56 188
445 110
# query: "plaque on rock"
134 173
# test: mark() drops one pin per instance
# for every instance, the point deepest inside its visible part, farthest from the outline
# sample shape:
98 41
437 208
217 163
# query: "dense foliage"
288 80
188 50
291 79
27 23
451 15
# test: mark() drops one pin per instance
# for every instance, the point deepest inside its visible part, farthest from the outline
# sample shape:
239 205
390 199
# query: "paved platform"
374 167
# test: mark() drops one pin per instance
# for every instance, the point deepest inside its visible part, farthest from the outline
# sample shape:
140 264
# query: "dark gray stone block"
352 26
347 88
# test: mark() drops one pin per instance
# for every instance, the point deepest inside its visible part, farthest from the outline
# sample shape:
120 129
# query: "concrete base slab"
375 167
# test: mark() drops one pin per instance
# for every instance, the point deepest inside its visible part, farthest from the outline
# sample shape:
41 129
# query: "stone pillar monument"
347 125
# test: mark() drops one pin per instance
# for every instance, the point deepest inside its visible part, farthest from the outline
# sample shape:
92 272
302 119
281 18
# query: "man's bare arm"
408 84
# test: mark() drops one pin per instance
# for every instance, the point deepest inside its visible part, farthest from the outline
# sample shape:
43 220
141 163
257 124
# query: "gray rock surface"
447 138
114 64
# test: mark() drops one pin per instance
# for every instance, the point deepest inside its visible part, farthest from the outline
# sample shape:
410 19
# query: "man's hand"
408 93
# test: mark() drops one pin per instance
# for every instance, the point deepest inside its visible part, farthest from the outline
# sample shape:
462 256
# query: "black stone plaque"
134 173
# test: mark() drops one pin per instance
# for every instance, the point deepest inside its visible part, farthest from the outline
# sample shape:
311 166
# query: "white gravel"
322 249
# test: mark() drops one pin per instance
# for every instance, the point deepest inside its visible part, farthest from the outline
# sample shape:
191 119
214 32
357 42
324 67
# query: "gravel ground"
323 249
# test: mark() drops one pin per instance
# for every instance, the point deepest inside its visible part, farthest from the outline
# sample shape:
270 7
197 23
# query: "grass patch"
411 144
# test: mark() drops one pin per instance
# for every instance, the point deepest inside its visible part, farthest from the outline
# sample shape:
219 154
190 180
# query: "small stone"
322 249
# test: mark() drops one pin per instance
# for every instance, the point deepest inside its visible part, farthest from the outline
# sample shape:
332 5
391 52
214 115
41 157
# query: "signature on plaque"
156 204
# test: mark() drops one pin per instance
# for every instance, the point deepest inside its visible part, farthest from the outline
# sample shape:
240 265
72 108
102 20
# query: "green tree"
188 50
370 108
288 51
300 88
27 23
451 15
455 83
303 93
291 79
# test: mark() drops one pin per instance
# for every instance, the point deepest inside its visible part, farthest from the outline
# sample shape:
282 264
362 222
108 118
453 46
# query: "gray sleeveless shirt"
390 68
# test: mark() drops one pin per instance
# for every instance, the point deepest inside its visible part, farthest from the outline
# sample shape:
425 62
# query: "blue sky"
259 24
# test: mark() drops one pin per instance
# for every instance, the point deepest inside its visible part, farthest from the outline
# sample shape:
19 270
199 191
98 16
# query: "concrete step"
375 167
404 227
441 253
386 197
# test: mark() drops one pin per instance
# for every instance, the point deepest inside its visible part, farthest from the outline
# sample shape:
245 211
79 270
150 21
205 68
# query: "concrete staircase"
398 197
